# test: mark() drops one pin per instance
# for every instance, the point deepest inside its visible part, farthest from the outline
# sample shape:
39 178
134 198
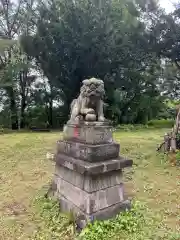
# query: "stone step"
92 168
87 152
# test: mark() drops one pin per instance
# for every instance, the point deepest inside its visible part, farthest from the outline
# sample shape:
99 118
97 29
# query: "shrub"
138 223
130 127
1 129
4 130
128 222
54 224
162 123
178 158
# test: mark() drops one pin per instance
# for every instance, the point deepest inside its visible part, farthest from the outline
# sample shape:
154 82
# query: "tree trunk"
50 110
50 118
23 106
14 116
23 77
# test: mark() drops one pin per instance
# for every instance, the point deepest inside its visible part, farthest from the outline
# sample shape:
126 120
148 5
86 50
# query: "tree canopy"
124 43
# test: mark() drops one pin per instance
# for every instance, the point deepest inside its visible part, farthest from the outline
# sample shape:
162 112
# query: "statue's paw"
101 119
90 117
90 111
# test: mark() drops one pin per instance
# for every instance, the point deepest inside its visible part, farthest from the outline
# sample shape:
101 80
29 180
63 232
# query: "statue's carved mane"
89 104
91 87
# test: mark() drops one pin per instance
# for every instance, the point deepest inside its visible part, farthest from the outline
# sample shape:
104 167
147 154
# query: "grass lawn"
24 170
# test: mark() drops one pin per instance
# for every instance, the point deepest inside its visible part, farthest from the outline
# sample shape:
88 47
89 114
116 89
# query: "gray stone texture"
88 172
94 168
90 202
89 183
90 153
89 133
89 104
83 218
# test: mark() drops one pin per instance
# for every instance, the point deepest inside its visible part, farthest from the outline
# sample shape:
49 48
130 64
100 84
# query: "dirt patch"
14 209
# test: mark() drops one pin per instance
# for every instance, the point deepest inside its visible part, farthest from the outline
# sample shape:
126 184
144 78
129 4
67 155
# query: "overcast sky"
168 4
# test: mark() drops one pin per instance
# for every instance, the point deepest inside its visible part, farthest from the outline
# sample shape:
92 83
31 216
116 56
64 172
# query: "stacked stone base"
83 218
88 180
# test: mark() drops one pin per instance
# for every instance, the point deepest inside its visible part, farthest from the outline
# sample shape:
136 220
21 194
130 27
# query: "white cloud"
168 4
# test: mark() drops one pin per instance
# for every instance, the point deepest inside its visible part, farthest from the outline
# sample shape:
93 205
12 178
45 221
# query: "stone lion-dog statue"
89 105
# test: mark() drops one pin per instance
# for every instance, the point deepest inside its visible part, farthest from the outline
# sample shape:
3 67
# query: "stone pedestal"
88 173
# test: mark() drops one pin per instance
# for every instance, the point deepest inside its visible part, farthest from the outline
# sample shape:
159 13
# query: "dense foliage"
128 44
138 223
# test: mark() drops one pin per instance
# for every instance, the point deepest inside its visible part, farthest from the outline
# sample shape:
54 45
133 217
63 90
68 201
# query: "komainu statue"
89 105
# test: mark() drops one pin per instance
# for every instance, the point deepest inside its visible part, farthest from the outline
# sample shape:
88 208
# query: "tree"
45 97
170 83
9 27
15 65
165 35
75 40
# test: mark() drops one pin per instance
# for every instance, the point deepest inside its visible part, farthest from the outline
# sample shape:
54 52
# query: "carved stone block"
90 202
87 152
91 190
82 217
95 168
89 183
90 133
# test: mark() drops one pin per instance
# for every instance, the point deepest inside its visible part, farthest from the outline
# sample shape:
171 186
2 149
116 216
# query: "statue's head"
93 88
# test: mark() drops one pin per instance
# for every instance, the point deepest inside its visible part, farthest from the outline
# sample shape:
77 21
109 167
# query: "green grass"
24 171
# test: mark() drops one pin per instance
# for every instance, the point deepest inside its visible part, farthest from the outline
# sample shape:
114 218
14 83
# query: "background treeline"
48 47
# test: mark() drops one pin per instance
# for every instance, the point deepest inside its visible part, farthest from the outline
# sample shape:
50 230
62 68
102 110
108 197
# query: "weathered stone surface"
90 202
89 183
88 171
83 218
92 168
89 104
88 133
86 152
